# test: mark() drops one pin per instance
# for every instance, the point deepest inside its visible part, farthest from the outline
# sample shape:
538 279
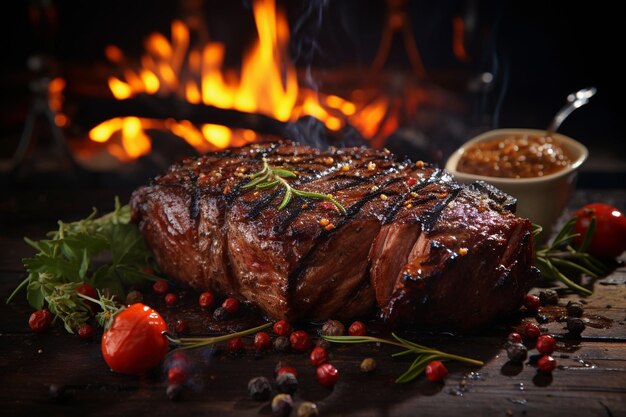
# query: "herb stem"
194 342
18 288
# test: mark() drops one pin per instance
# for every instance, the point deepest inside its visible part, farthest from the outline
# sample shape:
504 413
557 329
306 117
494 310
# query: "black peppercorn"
575 326
282 404
333 328
549 297
259 388
516 352
282 344
220 314
287 383
174 392
575 309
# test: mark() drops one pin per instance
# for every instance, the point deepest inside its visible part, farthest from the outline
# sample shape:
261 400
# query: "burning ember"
267 83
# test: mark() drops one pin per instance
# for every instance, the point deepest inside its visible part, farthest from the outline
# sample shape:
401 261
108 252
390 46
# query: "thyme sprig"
560 256
269 177
424 353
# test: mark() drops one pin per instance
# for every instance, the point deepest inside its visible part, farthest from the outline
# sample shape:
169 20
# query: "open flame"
267 83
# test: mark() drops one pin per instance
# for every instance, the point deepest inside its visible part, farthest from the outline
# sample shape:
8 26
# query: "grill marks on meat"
399 247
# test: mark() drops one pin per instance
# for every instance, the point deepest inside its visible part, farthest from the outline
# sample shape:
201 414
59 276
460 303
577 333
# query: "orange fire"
267 83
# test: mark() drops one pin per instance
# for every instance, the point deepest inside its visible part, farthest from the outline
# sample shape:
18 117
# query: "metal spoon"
574 101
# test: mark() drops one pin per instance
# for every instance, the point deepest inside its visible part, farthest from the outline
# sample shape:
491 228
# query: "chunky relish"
515 156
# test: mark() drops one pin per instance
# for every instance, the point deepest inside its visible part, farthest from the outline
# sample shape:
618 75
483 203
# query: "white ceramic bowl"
541 199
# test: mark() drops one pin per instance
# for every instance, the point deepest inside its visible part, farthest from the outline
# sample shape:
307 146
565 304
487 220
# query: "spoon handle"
574 101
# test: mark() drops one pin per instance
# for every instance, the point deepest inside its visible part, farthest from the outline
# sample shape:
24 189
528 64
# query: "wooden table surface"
590 379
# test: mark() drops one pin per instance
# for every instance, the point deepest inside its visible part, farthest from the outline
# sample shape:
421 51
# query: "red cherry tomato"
134 342
609 238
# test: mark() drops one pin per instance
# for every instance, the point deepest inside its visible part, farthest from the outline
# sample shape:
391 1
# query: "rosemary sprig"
424 354
561 255
194 342
270 177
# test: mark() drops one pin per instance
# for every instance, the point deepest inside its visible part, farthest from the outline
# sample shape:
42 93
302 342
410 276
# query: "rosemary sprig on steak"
424 353
560 257
270 177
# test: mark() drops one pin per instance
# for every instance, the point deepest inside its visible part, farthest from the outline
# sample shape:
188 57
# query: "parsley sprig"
424 354
560 257
74 253
269 177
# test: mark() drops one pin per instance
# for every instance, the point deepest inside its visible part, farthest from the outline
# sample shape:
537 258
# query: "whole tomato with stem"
134 342
609 238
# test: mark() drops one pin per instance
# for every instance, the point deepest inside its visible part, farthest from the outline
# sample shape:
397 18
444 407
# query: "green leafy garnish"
560 256
270 177
424 354
68 258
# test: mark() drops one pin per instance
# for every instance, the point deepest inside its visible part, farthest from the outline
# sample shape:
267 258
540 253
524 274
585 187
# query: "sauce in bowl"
515 156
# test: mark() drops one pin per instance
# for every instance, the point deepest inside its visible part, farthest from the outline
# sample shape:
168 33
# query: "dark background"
538 51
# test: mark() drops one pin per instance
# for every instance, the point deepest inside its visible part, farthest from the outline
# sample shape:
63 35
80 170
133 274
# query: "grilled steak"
412 242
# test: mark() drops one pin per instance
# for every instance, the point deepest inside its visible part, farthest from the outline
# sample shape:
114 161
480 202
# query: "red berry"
40 320
171 299
181 326
327 375
515 337
318 356
357 329
300 341
531 331
436 371
546 364
161 287
85 331
206 299
262 341
327 205
235 344
231 305
411 181
282 328
532 303
546 344
176 376
89 291
287 370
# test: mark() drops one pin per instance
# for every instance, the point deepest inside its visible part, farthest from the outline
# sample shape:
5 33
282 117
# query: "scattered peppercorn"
235 344
516 352
333 328
532 303
368 365
514 337
549 297
171 299
419 164
281 344
436 371
357 329
231 305
282 404
181 326
327 375
287 383
134 297
546 363
286 370
575 309
282 328
40 320
318 356
531 330
411 181
546 344
262 341
174 392
160 287
324 222
206 299
575 325
259 388
323 343
176 375
307 409
300 341
220 314
85 331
